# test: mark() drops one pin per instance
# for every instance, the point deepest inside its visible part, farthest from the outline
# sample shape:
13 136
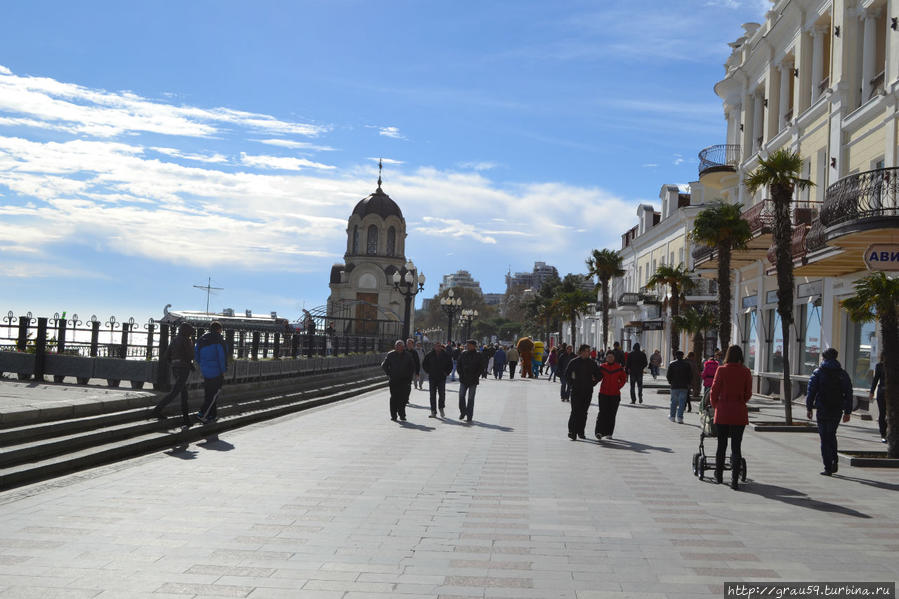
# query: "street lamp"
405 281
466 318
451 306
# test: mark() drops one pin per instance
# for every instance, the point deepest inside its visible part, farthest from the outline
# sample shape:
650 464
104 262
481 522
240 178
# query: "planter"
783 427
61 366
18 363
115 370
869 459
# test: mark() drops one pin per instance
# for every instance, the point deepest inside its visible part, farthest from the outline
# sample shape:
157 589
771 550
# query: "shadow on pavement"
631 446
182 452
643 406
216 444
871 483
798 498
497 427
421 427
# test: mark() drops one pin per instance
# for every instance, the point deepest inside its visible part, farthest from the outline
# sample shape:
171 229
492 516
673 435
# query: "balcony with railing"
651 295
702 290
723 157
628 298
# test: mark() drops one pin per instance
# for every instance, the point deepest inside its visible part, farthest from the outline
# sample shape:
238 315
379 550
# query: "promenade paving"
340 502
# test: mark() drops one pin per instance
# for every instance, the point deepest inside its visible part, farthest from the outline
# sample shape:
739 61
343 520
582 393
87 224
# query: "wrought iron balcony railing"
701 253
760 217
720 157
628 298
798 244
871 194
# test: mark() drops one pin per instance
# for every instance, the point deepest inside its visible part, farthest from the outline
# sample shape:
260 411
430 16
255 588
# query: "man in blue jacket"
830 393
210 353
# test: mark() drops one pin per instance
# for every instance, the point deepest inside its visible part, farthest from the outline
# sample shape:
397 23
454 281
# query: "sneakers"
432 415
680 420
883 440
671 418
572 436
185 428
461 416
441 412
641 400
826 473
581 436
598 437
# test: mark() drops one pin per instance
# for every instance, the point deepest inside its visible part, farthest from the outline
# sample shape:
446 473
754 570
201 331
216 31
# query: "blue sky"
146 147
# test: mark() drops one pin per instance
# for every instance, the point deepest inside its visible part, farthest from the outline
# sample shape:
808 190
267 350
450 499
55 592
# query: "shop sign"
882 256
653 325
750 301
810 289
771 297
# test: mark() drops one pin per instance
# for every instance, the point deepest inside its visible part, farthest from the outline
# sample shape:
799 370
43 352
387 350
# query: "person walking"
565 357
487 355
731 390
613 379
499 362
708 375
619 353
636 364
679 375
512 358
410 347
830 394
877 393
421 375
210 353
582 373
469 366
552 360
525 348
655 362
454 352
695 379
180 356
399 366
437 364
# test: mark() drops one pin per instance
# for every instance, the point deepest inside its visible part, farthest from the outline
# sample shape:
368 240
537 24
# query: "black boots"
719 472
735 476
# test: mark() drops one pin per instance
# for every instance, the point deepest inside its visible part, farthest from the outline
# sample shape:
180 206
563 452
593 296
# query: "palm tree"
697 321
723 227
876 296
781 171
678 280
569 304
605 264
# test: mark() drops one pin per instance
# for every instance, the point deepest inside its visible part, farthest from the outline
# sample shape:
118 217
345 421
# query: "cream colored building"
820 78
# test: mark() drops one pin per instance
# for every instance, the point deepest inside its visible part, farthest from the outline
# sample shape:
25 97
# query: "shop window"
775 342
750 339
862 349
810 347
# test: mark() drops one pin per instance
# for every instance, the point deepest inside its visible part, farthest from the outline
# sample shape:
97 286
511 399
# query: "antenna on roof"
209 289
380 166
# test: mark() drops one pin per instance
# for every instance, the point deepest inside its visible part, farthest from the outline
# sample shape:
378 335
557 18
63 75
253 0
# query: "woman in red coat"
613 379
731 390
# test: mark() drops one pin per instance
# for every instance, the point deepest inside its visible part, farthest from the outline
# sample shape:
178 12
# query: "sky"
149 147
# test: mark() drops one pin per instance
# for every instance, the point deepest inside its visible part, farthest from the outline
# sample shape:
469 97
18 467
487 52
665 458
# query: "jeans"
552 373
437 387
735 433
636 379
512 366
654 371
212 388
580 404
827 429
181 376
453 372
399 396
566 388
467 409
678 403
498 370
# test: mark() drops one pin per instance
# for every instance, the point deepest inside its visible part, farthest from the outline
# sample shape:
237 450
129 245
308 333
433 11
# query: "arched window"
372 247
355 239
391 241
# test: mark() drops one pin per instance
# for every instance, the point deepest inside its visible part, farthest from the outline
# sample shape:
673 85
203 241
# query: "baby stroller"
702 462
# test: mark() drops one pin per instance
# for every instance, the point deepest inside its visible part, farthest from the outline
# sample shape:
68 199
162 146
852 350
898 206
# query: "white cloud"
452 227
285 163
479 166
175 153
391 132
649 165
678 159
295 145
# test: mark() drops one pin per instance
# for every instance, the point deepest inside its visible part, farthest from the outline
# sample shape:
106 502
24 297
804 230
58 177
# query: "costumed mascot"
525 347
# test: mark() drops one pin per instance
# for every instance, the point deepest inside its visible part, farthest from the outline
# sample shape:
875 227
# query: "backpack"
831 393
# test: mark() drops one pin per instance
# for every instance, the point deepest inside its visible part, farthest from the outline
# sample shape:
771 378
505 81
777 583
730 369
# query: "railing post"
241 345
294 345
277 345
95 338
61 335
309 348
162 371
22 341
254 349
229 343
264 345
40 349
151 329
123 348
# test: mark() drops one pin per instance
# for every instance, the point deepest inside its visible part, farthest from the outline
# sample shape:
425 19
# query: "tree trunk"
724 295
675 312
605 313
783 240
573 317
889 330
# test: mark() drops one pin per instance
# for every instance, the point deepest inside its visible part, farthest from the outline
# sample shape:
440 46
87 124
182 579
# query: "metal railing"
798 244
760 217
701 253
703 287
719 157
871 194
628 298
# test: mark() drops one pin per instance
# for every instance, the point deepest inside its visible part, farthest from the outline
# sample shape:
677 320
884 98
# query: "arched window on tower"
355 240
391 241
372 246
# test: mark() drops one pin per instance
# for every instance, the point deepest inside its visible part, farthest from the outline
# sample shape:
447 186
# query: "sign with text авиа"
882 256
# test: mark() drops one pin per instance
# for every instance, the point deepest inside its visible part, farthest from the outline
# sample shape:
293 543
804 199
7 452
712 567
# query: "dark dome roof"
377 203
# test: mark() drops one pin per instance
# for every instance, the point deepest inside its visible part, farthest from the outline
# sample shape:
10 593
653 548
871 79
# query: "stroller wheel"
696 458
701 470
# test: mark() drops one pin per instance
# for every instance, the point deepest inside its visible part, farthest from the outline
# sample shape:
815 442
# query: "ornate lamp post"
466 318
405 281
451 306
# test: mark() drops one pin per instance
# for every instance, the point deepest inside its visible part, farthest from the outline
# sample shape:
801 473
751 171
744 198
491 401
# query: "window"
680 256
372 246
810 349
862 351
391 241
355 240
750 339
775 342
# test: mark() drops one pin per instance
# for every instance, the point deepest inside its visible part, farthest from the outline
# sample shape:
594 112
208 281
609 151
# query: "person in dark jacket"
830 394
180 356
499 362
210 353
469 366
566 355
636 364
613 379
438 364
410 348
399 366
582 373
619 354
877 393
680 376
